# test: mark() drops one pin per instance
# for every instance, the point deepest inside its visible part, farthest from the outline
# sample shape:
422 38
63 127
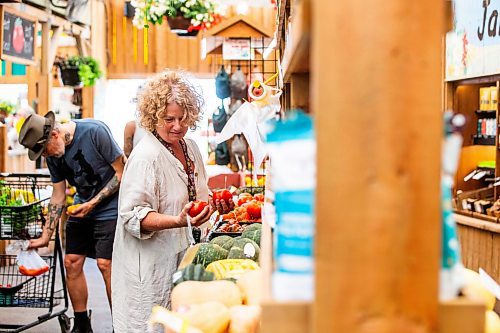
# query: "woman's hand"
221 206
198 219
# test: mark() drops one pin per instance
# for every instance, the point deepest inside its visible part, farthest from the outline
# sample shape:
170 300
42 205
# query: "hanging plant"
76 71
199 14
7 107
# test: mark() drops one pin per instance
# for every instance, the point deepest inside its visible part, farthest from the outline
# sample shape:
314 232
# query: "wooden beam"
80 45
46 48
376 97
44 16
4 146
45 77
54 43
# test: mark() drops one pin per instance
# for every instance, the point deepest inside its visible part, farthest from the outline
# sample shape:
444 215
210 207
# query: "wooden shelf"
486 113
478 221
458 315
298 35
484 140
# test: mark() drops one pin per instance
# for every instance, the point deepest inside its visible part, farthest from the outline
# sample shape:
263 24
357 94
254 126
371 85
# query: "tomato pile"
248 208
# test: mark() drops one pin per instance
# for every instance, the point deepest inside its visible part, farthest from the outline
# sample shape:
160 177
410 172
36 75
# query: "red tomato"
259 197
18 36
244 197
253 209
222 195
197 207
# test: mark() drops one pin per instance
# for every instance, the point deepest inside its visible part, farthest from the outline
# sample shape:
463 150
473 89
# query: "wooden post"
376 97
45 77
87 102
4 147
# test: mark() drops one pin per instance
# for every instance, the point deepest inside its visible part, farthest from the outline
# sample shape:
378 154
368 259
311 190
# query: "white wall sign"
236 49
473 47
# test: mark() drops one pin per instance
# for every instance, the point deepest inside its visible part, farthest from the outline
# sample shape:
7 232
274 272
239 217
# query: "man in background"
83 153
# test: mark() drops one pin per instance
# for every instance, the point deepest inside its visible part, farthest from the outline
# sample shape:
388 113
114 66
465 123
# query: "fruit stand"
375 265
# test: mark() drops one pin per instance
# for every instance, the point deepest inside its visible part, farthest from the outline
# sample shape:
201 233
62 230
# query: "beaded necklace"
191 187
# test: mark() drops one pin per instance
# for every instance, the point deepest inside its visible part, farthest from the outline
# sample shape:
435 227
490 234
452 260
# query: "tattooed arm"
111 187
128 136
56 206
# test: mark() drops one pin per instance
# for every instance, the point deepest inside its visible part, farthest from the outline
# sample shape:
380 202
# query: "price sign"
236 49
17 36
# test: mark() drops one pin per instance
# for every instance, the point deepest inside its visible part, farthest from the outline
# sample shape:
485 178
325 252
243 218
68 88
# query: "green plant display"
7 106
88 68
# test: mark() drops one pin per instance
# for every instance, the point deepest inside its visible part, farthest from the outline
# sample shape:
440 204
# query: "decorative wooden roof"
238 26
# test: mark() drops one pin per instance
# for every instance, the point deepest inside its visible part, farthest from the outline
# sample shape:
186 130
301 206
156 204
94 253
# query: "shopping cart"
23 205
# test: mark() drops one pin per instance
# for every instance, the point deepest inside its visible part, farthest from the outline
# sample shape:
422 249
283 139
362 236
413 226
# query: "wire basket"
17 290
23 200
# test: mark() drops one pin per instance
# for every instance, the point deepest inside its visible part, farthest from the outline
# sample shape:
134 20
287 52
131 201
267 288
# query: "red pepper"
32 272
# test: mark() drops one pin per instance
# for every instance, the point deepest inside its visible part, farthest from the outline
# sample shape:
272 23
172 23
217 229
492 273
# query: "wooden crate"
480 245
480 194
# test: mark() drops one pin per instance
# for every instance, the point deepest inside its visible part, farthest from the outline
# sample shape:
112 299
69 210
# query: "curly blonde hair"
165 88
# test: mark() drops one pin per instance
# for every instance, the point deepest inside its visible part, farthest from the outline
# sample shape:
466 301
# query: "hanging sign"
17 36
473 47
236 49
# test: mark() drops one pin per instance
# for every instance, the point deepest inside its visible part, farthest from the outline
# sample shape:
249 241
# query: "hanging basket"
69 76
179 25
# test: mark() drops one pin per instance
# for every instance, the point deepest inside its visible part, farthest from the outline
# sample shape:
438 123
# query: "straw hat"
35 133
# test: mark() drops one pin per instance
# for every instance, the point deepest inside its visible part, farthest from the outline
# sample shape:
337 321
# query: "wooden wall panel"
166 50
480 249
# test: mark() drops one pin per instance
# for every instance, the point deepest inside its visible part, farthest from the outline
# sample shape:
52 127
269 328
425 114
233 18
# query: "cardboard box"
484 98
494 98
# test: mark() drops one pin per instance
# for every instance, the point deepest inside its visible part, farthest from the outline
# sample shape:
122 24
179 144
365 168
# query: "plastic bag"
219 119
238 85
31 264
222 86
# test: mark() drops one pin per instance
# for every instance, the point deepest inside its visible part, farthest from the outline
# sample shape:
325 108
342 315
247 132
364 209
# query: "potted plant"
185 17
6 108
77 71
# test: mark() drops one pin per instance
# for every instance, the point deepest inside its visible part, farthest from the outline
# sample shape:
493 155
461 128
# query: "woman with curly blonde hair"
162 177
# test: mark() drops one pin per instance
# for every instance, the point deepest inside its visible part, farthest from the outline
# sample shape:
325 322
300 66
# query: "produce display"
231 268
228 248
244 248
209 317
218 287
208 253
193 272
219 306
21 212
198 292
232 226
222 195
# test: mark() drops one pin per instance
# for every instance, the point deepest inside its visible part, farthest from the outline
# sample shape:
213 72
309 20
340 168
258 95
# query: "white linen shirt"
143 262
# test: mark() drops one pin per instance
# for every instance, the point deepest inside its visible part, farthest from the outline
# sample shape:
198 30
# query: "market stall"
377 217
472 83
